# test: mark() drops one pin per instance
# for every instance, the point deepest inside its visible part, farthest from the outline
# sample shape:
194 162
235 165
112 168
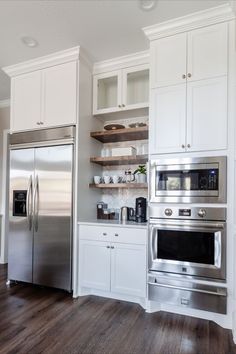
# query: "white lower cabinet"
114 267
128 265
95 265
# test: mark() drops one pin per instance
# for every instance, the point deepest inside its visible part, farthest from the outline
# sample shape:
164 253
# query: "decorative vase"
141 178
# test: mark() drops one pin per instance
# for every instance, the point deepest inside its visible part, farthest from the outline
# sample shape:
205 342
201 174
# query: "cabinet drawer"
113 234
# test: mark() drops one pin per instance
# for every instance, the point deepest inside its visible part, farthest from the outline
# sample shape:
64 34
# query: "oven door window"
187 180
186 246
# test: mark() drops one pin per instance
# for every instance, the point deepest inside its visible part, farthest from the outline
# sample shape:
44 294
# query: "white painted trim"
5 103
189 22
46 61
4 202
122 62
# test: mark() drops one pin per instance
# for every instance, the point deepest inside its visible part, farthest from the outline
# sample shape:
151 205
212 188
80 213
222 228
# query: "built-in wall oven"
187 249
188 241
188 180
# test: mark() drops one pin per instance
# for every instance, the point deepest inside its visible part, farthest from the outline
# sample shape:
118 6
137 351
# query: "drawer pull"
184 301
116 235
104 234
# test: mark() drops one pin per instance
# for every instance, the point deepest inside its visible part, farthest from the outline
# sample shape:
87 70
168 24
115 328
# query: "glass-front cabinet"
121 90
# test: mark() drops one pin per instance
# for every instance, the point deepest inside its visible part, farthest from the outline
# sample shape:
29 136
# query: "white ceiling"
105 28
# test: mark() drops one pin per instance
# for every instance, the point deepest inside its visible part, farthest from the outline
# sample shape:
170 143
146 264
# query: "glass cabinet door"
136 87
107 92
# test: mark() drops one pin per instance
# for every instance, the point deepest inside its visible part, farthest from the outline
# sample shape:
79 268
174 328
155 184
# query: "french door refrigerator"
40 207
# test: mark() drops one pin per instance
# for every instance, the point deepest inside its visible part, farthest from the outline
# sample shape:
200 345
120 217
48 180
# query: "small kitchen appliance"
127 214
141 210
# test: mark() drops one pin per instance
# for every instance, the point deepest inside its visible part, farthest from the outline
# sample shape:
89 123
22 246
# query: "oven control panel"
193 213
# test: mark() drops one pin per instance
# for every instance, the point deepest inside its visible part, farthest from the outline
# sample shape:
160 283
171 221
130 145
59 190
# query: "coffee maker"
141 209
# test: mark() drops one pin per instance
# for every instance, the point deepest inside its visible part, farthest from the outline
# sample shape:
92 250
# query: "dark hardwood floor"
39 320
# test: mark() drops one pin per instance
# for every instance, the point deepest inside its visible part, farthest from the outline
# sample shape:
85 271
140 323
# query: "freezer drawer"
190 295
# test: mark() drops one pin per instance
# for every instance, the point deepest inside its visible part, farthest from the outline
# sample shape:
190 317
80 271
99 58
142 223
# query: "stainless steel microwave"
189 180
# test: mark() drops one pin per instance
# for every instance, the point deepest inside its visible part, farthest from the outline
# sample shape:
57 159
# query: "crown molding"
46 61
122 62
4 103
186 23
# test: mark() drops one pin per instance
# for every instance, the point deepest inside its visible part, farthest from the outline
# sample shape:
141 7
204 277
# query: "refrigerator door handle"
29 203
36 203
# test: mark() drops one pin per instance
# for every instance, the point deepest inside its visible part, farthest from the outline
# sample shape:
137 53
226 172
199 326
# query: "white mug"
115 179
97 179
107 179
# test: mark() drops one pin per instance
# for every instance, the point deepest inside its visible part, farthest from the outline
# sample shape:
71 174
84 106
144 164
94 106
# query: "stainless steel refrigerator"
41 207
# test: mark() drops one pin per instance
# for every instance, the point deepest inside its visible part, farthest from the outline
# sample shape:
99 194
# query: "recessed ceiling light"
147 5
29 41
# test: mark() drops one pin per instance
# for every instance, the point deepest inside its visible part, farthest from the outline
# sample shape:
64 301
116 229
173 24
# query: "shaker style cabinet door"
128 269
207 52
26 101
207 114
168 119
95 265
168 61
59 95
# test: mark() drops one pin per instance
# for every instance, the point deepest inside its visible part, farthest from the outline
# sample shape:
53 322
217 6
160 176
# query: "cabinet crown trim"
190 22
43 62
125 61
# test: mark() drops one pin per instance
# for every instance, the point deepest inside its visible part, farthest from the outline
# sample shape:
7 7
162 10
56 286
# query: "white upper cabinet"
26 101
59 95
121 90
167 126
190 115
44 91
121 84
169 60
207 52
207 115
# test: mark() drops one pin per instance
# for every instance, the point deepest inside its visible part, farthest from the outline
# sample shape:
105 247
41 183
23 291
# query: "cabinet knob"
189 75
108 247
112 247
188 145
41 123
38 123
123 105
183 76
116 235
119 105
183 146
104 234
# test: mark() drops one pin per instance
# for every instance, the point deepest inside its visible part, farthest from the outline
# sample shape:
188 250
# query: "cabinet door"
207 114
168 61
135 87
26 101
128 269
59 95
94 265
107 92
168 119
207 52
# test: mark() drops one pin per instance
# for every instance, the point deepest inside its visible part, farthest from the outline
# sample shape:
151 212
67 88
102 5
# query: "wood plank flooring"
40 320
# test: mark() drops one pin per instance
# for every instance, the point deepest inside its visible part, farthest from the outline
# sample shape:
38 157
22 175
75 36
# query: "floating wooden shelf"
119 185
120 160
126 134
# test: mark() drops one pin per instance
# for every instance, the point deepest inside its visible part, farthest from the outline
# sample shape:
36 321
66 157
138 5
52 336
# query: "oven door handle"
191 225
153 243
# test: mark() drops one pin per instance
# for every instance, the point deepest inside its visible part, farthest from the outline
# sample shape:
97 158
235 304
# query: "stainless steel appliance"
40 207
187 245
141 209
189 180
188 241
127 214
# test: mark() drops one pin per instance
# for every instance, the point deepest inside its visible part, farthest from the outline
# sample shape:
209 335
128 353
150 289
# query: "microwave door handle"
29 211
